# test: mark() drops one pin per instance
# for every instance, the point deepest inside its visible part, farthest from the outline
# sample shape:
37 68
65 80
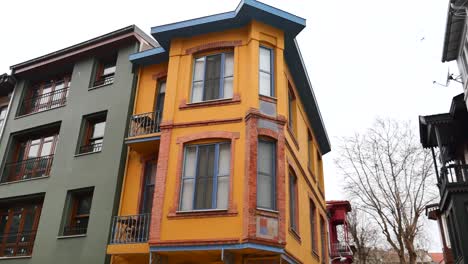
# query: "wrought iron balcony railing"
340 249
94 147
17 244
79 228
27 169
453 175
130 229
143 124
105 79
44 102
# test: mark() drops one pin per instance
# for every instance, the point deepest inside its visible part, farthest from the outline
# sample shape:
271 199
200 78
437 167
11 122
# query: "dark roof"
246 11
58 54
453 31
7 83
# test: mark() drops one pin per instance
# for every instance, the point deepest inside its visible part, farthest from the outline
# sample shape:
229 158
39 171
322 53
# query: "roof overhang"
454 30
246 11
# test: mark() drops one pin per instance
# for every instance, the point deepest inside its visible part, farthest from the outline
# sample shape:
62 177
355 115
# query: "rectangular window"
266 175
291 111
313 226
293 203
78 211
93 135
3 113
265 79
213 77
310 151
105 71
205 179
323 239
318 169
148 186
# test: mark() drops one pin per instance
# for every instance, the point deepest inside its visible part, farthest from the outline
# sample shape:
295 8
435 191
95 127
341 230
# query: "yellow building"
225 146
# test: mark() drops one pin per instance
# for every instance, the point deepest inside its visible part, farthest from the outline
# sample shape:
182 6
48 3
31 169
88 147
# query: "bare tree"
391 176
364 235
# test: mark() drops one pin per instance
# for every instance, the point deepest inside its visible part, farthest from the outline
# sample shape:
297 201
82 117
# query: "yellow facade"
227 117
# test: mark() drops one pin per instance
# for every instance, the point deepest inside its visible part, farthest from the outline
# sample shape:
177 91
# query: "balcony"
94 147
144 124
340 249
17 244
453 176
44 102
27 169
130 229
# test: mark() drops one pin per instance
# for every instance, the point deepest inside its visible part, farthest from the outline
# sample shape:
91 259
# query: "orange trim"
200 123
196 242
202 214
213 45
219 102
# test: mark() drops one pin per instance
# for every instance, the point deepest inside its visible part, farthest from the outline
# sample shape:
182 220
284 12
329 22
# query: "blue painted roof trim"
246 11
216 247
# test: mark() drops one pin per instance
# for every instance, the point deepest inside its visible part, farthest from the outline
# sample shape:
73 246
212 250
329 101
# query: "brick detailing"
213 45
250 195
161 175
220 102
181 141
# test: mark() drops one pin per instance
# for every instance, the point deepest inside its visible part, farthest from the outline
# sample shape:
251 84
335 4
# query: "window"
293 203
265 81
292 110
32 158
310 151
148 187
313 226
323 239
3 113
266 174
105 71
46 95
93 135
79 208
205 179
213 77
18 225
318 168
159 107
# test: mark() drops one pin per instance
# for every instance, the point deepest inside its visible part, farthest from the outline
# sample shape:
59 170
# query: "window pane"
204 180
292 201
266 181
265 84
223 192
265 59
197 92
187 195
265 157
33 151
264 192
228 87
228 64
46 149
98 130
162 87
109 69
224 163
84 205
199 69
59 85
212 77
3 111
190 159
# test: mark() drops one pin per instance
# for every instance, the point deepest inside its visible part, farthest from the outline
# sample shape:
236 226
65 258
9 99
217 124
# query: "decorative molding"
268 99
193 242
219 102
213 45
170 125
159 75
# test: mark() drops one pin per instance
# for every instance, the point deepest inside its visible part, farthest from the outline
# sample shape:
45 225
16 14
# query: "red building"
340 250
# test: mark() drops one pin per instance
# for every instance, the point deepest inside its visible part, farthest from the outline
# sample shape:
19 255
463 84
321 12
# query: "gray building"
7 85
62 153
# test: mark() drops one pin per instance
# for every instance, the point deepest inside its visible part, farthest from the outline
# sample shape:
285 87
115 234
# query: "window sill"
268 98
25 180
99 86
267 212
87 153
219 102
201 214
73 236
42 111
292 136
16 257
295 235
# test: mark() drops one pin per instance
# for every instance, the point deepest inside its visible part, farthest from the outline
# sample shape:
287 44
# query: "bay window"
213 77
205 177
266 178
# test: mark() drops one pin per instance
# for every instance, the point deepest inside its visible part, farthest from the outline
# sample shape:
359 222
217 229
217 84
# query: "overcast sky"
365 58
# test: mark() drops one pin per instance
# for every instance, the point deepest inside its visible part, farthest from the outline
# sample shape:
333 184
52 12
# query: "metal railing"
44 102
76 229
340 249
27 169
130 229
143 124
453 174
94 147
105 79
17 244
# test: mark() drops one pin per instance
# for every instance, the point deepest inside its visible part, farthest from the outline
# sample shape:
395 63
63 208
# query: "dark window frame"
271 73
148 183
293 202
87 143
313 226
274 176
101 79
73 217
